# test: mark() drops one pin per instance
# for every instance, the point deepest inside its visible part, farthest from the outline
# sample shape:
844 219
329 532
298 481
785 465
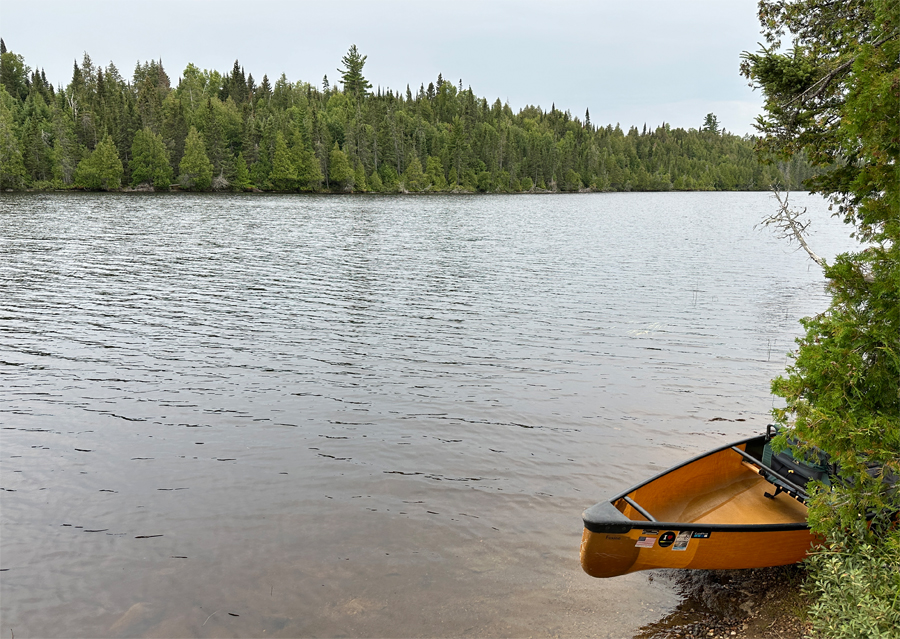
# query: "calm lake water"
366 416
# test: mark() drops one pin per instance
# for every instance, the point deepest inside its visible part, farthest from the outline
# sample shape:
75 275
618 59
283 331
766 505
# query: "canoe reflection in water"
738 506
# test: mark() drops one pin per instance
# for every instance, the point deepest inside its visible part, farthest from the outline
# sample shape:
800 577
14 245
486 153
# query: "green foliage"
375 183
452 179
457 135
14 74
414 177
196 169
101 170
841 390
571 181
484 182
389 178
710 123
856 588
150 160
241 180
355 84
284 173
339 172
434 172
834 97
309 174
359 178
12 168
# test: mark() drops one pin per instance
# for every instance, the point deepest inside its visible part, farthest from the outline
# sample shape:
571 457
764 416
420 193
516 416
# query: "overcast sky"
643 61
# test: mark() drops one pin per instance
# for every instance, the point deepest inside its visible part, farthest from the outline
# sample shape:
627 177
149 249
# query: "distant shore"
460 191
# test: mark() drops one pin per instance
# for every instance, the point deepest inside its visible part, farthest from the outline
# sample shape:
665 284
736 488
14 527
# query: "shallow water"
365 416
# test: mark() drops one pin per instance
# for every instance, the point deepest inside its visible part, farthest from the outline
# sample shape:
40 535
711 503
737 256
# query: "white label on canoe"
645 542
682 540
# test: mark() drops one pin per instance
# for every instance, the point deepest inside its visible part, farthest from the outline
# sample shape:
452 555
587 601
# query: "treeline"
216 131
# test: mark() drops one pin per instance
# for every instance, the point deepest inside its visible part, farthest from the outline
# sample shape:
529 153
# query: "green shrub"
855 588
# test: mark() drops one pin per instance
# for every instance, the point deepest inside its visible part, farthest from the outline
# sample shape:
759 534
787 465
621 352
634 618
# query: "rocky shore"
764 603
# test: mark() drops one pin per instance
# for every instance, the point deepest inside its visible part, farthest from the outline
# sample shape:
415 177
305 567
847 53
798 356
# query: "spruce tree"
414 176
434 171
339 171
359 178
241 180
284 172
309 174
375 183
150 160
196 169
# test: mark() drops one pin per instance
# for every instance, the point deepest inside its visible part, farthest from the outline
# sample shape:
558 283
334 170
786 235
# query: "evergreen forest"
230 132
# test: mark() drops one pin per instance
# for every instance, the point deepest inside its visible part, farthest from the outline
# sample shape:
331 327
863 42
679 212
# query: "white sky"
643 61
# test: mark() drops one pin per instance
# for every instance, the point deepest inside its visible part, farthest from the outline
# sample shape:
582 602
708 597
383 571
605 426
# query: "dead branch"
789 225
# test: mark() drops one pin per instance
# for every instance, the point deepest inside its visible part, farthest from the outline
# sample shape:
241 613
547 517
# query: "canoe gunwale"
604 517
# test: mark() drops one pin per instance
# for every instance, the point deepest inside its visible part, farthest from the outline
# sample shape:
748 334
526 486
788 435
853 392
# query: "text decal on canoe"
666 539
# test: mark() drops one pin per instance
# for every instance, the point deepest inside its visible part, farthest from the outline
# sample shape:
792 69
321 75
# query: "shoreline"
760 603
361 193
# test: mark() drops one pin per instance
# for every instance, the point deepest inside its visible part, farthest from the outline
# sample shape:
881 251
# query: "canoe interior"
716 489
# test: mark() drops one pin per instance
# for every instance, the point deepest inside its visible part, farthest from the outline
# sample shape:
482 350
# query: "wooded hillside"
231 132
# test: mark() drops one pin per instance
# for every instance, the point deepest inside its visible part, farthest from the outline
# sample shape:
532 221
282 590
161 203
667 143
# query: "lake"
275 415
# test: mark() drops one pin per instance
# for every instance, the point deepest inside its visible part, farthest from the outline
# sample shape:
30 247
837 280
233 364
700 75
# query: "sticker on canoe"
701 535
666 539
645 542
682 540
653 533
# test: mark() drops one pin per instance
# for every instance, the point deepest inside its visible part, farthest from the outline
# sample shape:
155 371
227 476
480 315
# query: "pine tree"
355 85
710 123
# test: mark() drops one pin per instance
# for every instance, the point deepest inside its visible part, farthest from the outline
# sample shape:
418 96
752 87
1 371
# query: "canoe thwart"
638 508
789 486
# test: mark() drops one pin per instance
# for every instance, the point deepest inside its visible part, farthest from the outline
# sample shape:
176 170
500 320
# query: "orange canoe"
725 509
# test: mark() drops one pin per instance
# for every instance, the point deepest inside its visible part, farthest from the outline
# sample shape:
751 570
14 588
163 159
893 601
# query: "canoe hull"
611 554
715 511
